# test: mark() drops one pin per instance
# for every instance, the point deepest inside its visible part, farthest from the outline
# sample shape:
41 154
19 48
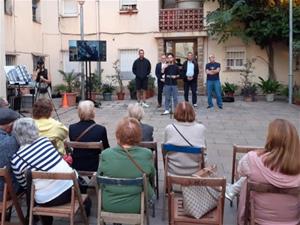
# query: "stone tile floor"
240 122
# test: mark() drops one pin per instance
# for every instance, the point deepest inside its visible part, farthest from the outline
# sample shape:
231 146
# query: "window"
127 57
235 58
69 8
70 66
8 7
10 60
36 11
128 5
36 58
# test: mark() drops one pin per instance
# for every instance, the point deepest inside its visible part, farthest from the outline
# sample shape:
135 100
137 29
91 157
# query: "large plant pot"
71 98
270 97
149 93
121 95
249 98
296 101
107 96
229 94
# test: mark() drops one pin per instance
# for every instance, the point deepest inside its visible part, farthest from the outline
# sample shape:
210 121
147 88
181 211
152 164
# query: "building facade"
35 28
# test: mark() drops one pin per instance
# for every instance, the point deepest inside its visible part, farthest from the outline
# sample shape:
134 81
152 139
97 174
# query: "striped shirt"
41 156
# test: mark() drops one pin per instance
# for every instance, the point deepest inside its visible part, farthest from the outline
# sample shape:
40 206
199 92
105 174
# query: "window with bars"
10 60
128 5
8 7
36 11
69 8
235 58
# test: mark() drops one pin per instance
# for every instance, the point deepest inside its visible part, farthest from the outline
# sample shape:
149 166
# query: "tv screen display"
87 50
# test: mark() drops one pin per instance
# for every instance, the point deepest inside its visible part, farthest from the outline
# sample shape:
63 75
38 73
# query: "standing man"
8 143
170 88
213 82
190 76
159 72
141 69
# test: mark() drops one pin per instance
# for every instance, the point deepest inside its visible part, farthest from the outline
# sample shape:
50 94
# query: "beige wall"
2 54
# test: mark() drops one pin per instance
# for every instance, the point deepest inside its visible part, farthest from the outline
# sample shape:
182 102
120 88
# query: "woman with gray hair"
136 111
38 154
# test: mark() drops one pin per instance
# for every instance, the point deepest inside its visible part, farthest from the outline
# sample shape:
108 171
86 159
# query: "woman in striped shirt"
38 154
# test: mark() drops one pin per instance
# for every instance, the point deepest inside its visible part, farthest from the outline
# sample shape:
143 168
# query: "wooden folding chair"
124 218
238 150
91 175
153 147
67 210
9 198
263 188
177 214
168 148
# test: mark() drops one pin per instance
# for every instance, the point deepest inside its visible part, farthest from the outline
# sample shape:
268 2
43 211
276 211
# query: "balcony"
181 20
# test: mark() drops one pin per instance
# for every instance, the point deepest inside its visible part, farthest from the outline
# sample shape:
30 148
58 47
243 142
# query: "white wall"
2 53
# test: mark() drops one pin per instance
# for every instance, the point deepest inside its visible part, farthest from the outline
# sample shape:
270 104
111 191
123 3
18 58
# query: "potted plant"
229 89
249 89
59 90
269 87
132 89
95 85
120 92
107 90
151 86
72 82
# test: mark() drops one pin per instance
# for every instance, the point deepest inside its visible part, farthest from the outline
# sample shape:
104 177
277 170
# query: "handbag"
199 200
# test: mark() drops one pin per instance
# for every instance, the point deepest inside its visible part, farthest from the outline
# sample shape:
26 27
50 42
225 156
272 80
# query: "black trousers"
193 85
160 87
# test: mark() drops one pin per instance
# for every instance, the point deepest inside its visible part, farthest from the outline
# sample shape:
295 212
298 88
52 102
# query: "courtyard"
242 123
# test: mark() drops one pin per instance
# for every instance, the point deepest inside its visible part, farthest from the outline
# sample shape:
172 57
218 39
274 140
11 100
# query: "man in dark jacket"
141 69
8 143
190 73
159 72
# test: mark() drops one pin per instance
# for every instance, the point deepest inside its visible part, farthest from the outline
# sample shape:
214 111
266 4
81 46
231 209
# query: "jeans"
214 85
170 91
193 85
160 87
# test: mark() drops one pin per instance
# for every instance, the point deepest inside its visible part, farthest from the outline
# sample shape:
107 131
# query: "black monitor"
87 50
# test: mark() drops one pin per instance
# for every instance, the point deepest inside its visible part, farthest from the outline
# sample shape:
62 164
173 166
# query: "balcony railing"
180 20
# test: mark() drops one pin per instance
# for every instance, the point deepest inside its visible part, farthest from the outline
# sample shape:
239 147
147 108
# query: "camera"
40 62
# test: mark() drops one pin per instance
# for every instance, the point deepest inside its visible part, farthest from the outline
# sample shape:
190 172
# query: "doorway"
180 49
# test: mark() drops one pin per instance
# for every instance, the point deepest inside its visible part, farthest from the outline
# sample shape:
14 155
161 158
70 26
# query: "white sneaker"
195 105
166 112
144 104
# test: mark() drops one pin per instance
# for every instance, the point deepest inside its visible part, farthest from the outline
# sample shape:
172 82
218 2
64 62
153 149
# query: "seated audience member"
279 165
86 130
136 111
49 127
38 154
4 103
8 144
115 162
184 132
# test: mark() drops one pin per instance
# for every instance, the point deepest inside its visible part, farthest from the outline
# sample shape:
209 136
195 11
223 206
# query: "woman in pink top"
278 165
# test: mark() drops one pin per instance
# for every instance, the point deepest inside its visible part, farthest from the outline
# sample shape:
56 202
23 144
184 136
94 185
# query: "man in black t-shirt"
141 69
170 78
213 82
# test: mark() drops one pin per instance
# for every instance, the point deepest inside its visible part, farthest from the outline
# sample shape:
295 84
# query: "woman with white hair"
136 111
38 154
86 130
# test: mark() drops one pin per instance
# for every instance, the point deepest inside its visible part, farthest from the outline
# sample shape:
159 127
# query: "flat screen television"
87 50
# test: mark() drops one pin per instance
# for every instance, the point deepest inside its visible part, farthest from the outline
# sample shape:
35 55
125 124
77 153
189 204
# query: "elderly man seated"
8 143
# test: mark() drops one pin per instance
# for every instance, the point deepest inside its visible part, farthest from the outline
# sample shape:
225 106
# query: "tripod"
38 93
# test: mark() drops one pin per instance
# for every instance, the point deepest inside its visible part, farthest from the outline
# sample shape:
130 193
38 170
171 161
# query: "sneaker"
220 107
229 193
195 105
208 107
144 104
166 112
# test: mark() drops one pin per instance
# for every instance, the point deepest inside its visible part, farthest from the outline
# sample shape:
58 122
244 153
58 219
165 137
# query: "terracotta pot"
248 99
296 101
149 93
71 98
121 95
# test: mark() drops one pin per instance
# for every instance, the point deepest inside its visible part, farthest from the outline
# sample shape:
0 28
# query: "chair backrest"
8 192
166 148
85 145
240 149
202 181
263 188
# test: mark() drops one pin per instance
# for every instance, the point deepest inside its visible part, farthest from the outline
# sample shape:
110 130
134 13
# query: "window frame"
36 11
68 15
13 58
128 8
8 9
235 50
